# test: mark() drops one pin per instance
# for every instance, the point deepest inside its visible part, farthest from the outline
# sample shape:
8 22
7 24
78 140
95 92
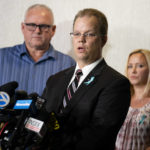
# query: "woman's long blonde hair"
146 53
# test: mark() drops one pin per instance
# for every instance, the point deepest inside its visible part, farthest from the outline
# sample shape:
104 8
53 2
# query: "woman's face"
137 70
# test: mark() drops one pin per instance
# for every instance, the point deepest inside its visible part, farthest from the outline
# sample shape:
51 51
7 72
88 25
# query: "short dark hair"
103 24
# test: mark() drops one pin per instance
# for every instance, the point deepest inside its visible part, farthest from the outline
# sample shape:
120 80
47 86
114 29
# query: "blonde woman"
135 132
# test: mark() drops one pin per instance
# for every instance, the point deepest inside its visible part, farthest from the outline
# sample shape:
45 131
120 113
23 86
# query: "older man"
31 63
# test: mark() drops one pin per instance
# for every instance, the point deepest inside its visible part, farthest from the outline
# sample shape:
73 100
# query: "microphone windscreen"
33 96
21 94
9 88
9 85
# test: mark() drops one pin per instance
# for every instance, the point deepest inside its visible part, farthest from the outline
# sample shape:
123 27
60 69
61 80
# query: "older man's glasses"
33 26
86 35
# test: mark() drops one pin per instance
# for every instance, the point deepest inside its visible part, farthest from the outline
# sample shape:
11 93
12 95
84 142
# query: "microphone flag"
4 99
36 126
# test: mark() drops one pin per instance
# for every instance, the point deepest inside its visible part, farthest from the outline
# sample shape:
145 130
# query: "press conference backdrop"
129 23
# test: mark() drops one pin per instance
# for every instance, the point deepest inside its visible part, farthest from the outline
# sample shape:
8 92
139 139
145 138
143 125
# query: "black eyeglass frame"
42 27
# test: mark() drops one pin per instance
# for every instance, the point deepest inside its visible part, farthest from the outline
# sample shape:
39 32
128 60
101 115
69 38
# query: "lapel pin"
142 119
89 81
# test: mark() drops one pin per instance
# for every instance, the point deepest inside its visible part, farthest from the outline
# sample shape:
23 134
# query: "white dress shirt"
85 70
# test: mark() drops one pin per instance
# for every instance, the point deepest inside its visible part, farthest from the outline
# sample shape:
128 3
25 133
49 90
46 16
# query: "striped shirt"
17 65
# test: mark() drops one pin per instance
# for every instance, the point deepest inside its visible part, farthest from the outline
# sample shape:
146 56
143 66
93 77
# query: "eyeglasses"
86 35
33 26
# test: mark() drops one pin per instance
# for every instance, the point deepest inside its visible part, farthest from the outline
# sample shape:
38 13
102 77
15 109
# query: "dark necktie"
72 88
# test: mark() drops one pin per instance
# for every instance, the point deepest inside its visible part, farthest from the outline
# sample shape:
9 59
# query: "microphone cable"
1 131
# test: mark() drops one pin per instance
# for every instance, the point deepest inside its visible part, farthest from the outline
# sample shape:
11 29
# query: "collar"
87 69
50 53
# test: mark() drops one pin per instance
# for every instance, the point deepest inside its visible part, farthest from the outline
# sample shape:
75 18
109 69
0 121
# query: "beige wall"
129 25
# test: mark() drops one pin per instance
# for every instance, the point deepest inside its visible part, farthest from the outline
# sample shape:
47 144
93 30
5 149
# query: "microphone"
21 94
9 88
40 128
4 99
33 96
21 109
37 104
27 128
7 92
36 126
27 105
39 101
36 129
44 122
9 85
35 108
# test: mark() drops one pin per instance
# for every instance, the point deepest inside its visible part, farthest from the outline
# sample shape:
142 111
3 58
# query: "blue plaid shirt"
17 65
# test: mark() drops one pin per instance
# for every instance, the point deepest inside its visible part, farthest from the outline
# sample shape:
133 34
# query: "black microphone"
33 121
9 109
39 101
21 109
33 108
21 94
33 96
7 92
41 129
36 129
9 88
44 122
6 100
37 104
27 107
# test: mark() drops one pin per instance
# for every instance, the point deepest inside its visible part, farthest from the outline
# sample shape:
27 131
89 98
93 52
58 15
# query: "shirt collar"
87 69
50 53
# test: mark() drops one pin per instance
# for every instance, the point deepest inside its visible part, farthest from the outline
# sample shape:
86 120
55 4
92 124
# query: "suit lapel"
88 83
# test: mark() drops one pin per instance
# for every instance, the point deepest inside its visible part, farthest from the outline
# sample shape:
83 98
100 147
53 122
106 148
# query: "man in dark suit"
90 114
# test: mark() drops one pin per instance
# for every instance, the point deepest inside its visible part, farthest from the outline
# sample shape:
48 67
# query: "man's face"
38 39
87 48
